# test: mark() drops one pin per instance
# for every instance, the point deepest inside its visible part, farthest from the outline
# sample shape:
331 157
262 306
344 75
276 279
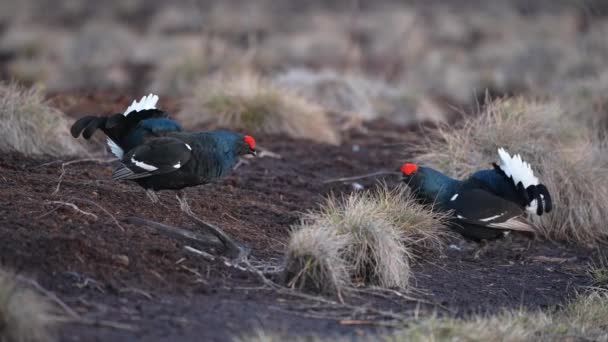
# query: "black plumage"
487 203
157 154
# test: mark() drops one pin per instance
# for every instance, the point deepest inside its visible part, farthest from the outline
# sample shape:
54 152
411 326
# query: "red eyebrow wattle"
250 141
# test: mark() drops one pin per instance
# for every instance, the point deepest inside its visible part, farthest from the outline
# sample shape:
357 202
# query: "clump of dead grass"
577 177
247 101
372 235
598 269
28 124
422 228
375 251
24 315
583 319
314 261
568 156
342 94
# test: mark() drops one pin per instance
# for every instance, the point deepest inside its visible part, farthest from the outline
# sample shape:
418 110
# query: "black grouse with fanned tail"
489 202
157 154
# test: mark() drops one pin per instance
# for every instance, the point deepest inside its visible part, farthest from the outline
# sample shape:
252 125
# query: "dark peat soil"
111 271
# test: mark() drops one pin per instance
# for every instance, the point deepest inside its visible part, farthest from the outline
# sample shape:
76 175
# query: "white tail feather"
516 168
146 102
115 149
520 171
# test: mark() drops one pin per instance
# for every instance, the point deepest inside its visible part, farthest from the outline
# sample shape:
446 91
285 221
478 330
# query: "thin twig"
200 253
98 323
381 313
76 161
267 153
137 291
50 295
103 209
368 175
73 315
75 207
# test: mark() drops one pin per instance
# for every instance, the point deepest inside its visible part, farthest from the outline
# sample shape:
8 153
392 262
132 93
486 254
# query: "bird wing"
154 157
482 208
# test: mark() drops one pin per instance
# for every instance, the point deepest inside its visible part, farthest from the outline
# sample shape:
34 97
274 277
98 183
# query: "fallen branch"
234 250
368 175
75 207
207 240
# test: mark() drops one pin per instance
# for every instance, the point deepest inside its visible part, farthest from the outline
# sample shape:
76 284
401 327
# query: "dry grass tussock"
247 101
24 315
584 319
598 270
30 126
371 235
568 155
375 250
420 226
314 262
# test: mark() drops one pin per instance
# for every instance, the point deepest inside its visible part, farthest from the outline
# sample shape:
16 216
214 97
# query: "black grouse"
157 154
487 203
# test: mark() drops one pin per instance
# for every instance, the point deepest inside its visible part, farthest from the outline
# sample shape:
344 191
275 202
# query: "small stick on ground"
242 161
48 294
368 175
200 253
267 153
73 315
98 323
76 161
75 207
103 209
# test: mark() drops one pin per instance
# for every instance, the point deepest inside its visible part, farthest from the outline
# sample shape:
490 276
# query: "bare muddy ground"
109 270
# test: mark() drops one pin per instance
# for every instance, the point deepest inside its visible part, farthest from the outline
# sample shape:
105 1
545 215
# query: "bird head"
427 182
413 175
247 146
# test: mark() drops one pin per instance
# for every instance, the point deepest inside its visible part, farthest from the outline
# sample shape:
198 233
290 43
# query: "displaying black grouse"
157 154
489 201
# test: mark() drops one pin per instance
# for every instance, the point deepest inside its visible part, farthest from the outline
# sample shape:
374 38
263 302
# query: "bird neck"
437 187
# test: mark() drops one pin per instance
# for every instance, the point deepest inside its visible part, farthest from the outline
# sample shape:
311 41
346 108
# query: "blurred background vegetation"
402 59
